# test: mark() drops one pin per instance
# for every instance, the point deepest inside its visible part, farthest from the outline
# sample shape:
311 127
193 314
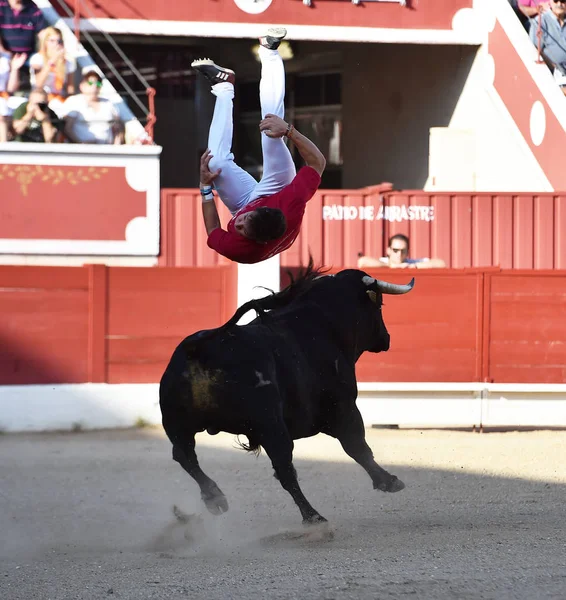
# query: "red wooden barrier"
120 325
511 231
103 324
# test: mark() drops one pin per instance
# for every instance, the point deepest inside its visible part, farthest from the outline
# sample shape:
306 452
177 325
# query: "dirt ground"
88 516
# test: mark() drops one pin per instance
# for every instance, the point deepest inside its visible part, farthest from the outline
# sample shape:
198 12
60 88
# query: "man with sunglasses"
398 257
90 119
553 39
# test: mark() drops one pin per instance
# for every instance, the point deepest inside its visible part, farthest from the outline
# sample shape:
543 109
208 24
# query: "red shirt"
292 200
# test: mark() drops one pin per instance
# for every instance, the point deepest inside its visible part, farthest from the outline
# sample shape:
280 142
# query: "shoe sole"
209 62
276 32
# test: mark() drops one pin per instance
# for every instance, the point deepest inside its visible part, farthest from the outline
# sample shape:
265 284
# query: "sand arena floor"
88 516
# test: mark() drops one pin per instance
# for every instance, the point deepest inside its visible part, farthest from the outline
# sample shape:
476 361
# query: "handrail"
77 21
151 119
539 35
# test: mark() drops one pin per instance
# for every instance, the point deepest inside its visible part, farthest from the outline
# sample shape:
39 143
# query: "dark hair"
399 236
267 224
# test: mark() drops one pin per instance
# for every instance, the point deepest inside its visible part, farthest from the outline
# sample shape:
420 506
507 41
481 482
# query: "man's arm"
207 177
275 127
210 215
370 261
432 263
532 11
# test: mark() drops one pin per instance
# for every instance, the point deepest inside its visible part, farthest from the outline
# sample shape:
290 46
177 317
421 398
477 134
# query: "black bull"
288 374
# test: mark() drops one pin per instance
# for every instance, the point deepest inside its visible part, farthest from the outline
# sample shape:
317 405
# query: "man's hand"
273 126
18 60
206 175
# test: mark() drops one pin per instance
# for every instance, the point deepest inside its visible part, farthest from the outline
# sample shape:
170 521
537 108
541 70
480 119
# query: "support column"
265 274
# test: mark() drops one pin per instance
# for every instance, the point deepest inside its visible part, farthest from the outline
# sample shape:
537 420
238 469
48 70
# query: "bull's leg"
184 454
279 447
351 434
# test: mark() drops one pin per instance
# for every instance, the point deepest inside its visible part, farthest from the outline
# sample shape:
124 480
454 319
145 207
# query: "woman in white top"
50 69
90 119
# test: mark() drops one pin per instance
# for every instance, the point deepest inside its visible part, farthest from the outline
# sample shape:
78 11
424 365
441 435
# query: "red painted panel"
503 232
138 372
523 223
43 278
374 233
75 202
431 339
462 231
528 328
482 226
465 230
183 235
433 14
151 311
454 326
559 229
441 229
43 325
543 232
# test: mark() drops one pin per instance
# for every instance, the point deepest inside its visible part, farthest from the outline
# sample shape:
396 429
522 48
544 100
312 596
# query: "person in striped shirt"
20 22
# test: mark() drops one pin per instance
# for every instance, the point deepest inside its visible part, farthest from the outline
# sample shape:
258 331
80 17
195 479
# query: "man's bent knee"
218 162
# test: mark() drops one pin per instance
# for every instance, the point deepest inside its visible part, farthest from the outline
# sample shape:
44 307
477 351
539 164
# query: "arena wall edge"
35 408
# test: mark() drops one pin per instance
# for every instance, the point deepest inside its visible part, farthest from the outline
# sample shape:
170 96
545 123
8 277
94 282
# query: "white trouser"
235 186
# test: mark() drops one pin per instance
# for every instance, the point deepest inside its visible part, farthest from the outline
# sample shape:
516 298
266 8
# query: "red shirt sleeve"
232 246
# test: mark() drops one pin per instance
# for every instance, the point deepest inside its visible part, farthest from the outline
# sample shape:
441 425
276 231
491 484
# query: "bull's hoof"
316 519
392 486
215 503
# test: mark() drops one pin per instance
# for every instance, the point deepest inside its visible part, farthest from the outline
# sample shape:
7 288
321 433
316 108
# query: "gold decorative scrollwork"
25 175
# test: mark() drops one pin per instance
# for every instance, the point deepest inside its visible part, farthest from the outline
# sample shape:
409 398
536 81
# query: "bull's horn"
389 288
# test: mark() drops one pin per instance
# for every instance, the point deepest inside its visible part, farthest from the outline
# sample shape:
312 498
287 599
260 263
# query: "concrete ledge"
80 406
419 405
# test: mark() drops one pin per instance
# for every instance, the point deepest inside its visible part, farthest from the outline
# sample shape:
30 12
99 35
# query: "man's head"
558 7
37 97
91 83
262 224
398 249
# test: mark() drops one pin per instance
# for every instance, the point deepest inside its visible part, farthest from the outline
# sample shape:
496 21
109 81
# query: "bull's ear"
372 295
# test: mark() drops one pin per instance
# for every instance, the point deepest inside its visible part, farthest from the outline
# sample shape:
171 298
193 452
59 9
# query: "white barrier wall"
419 405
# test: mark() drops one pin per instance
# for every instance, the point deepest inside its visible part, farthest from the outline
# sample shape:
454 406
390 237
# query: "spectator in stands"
90 119
520 15
531 8
553 39
20 23
34 121
51 70
398 257
9 81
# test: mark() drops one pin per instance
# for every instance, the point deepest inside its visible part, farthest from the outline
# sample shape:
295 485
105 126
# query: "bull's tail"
251 446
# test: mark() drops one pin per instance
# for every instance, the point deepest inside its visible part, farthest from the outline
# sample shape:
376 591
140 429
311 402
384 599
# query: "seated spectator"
34 121
51 70
520 15
20 23
398 257
9 81
553 39
531 8
90 119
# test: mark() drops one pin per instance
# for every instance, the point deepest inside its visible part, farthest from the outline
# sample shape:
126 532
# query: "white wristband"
207 197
